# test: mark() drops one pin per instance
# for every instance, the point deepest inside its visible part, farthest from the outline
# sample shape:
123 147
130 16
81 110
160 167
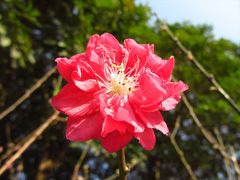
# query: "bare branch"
15 147
210 77
235 163
208 136
79 163
27 93
34 136
226 161
179 151
131 165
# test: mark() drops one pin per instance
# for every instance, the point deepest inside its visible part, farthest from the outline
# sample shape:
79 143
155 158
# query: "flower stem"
123 169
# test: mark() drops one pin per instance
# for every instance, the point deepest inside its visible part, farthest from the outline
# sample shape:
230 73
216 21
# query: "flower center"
117 81
122 84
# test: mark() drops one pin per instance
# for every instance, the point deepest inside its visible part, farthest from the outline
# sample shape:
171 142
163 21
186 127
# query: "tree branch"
210 77
235 163
27 93
34 136
208 136
123 169
179 151
79 163
131 166
226 161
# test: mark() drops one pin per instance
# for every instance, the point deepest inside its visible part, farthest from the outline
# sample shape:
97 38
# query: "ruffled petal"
92 42
154 62
150 91
137 55
74 102
166 71
104 48
163 68
174 89
154 120
84 128
115 141
81 57
170 103
91 54
87 85
119 109
147 138
149 47
65 68
150 87
110 125
125 113
112 47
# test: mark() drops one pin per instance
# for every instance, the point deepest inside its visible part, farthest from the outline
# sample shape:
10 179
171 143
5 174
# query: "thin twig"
179 151
208 136
157 170
210 77
131 165
27 93
79 163
61 119
113 176
226 161
10 151
123 169
235 163
34 136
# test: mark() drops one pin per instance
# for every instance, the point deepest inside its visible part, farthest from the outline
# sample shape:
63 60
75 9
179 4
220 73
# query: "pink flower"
114 93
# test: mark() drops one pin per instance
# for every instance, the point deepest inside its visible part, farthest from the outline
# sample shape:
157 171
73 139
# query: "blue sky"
223 15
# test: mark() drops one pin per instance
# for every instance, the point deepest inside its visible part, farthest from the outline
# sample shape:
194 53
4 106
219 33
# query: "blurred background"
33 33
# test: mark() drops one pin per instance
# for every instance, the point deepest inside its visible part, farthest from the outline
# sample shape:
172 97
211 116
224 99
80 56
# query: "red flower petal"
147 138
92 42
90 50
174 89
84 128
126 113
88 85
81 57
110 125
120 110
150 87
137 54
65 68
112 47
73 101
163 68
115 141
166 71
150 91
154 120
